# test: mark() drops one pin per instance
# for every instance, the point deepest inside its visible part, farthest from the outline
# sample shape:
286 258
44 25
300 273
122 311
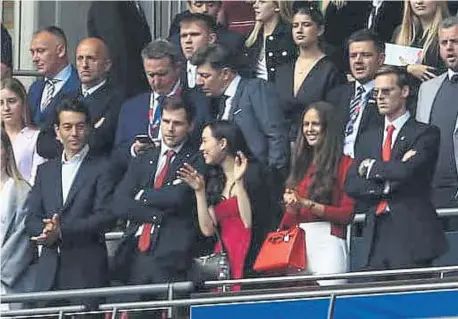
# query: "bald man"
98 93
49 55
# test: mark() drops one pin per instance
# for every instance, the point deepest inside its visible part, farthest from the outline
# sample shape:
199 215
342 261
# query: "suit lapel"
404 136
184 155
236 99
151 168
54 175
431 96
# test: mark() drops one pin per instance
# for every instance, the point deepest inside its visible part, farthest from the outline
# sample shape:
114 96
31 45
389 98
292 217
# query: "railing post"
332 302
113 312
170 298
61 314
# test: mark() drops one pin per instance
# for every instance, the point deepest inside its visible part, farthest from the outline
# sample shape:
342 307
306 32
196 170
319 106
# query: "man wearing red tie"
392 175
160 209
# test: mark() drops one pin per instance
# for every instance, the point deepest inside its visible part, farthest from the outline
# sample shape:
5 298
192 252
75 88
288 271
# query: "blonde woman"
419 28
270 43
17 252
16 123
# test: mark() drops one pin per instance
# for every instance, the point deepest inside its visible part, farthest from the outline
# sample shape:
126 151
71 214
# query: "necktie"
144 242
155 118
355 107
386 156
454 78
221 106
50 88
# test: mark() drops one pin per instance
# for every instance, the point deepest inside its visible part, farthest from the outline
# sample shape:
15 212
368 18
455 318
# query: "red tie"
386 156
144 241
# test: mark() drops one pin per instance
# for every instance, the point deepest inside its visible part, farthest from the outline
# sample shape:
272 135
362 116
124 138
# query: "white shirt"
70 169
63 77
398 123
230 93
377 4
349 144
451 73
191 71
89 91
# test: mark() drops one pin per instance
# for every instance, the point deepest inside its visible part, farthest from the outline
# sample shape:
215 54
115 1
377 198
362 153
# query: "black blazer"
418 230
85 216
126 32
103 105
257 111
341 97
280 49
323 77
171 208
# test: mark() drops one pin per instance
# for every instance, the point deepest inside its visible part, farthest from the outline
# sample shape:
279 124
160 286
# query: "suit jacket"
426 97
341 97
256 109
417 227
171 208
133 120
17 250
104 105
126 32
79 260
42 119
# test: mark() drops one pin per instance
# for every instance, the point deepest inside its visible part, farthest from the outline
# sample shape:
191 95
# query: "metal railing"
186 287
26 73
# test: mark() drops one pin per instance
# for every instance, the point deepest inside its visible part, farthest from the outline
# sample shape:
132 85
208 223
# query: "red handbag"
282 250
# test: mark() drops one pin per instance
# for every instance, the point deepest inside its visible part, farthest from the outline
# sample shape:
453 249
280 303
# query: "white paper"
400 55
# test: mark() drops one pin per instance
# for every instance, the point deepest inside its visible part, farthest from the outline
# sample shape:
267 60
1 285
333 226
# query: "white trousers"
326 253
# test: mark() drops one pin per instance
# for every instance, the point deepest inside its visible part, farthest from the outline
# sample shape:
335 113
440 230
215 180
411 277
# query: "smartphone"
143 138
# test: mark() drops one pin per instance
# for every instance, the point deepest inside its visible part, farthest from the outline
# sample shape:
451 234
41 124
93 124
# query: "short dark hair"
208 21
402 77
449 22
159 49
217 56
309 8
367 35
176 102
72 105
57 32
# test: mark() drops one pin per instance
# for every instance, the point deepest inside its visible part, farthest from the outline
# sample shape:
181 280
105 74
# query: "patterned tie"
355 107
386 156
144 242
155 118
221 106
50 87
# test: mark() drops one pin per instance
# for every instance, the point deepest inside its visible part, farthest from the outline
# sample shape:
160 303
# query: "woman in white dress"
17 125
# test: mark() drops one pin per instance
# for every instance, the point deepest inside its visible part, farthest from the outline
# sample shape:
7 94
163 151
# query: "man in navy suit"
160 208
141 115
49 54
68 208
98 93
392 175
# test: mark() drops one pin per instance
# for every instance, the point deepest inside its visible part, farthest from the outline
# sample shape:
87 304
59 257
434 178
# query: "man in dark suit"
253 105
353 101
49 54
68 209
123 27
231 40
141 115
159 206
6 53
98 93
392 174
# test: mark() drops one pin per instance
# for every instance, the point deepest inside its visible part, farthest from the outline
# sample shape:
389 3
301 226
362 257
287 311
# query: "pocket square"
177 181
99 122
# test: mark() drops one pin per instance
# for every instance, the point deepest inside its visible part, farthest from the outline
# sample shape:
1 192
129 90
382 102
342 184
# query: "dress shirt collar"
63 75
232 87
399 122
173 92
79 157
165 148
89 91
451 73
368 86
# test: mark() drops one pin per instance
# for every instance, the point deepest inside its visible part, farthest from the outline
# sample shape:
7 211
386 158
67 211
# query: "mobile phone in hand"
143 138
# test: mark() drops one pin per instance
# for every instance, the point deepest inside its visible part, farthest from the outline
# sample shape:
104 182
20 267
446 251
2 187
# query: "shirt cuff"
369 168
139 194
132 151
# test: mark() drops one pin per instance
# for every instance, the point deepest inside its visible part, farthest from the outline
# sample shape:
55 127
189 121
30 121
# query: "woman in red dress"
225 198
315 198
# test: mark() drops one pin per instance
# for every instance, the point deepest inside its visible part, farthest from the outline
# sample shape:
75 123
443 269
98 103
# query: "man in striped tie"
392 175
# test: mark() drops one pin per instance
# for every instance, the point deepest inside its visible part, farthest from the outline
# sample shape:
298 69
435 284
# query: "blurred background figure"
17 125
7 54
238 16
314 196
17 251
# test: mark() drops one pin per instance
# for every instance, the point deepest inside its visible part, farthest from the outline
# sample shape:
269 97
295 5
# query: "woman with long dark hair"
309 77
230 196
314 196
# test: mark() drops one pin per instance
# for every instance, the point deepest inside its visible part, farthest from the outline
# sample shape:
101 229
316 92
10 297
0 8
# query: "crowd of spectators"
248 118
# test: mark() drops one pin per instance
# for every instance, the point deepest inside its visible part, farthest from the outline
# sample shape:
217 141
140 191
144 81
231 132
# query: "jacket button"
270 54
272 69
371 191
271 37
284 53
151 162
144 200
154 217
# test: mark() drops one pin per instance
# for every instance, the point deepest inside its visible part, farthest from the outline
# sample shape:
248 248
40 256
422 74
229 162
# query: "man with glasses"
392 175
